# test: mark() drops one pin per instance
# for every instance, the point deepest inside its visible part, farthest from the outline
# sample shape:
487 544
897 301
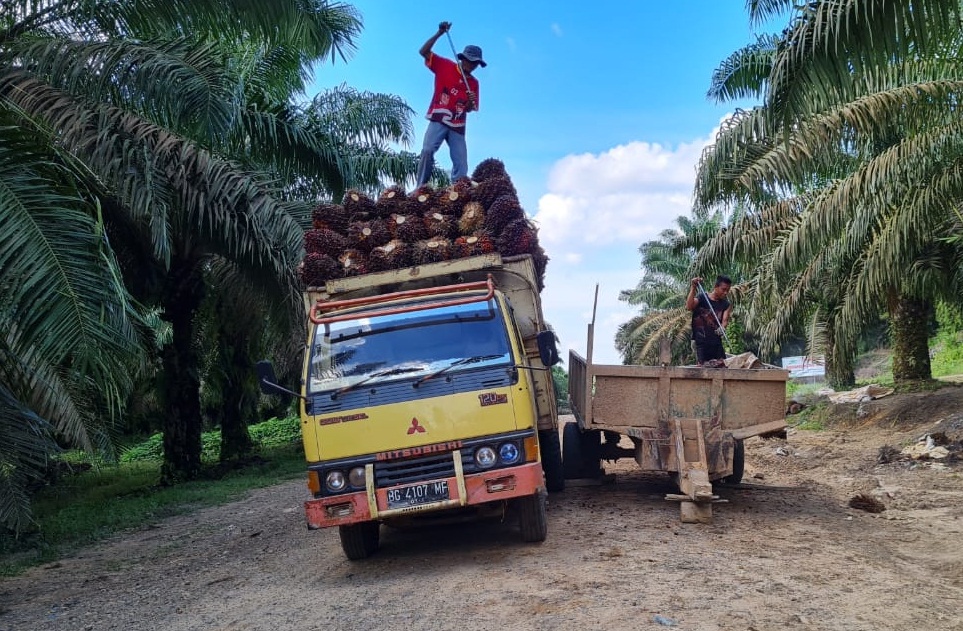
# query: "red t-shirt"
449 104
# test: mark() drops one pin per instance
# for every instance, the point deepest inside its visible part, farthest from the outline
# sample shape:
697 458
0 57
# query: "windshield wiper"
384 373
460 362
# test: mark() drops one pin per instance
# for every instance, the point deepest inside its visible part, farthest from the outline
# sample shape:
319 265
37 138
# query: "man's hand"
472 101
444 27
696 281
720 331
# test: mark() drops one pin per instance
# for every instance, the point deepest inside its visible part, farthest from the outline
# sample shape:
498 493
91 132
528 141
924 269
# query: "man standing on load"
456 94
710 315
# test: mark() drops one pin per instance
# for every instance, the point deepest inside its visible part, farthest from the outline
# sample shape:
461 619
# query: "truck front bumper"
464 490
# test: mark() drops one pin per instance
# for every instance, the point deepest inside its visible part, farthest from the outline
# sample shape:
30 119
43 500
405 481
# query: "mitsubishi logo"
415 427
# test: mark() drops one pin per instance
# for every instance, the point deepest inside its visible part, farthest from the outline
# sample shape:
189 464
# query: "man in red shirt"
456 94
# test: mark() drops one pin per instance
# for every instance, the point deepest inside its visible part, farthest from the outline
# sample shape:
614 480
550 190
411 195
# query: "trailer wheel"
359 541
581 452
738 464
532 518
551 451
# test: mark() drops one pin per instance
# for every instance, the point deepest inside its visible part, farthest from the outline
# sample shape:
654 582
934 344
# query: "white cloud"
556 29
597 211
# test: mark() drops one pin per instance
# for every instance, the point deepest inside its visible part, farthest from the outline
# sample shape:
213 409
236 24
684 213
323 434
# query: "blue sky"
598 111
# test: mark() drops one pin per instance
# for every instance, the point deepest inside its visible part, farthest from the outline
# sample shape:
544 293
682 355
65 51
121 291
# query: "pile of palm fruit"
477 215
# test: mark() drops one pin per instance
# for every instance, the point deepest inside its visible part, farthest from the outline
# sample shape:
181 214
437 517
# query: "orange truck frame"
427 389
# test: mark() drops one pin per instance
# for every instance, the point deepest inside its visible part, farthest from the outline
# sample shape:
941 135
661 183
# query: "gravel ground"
617 557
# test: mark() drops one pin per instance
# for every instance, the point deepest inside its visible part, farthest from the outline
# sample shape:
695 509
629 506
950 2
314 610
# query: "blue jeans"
436 134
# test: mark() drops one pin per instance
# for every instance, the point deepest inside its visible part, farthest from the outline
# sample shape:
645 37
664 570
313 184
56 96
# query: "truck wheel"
581 452
359 541
572 451
532 518
738 464
551 450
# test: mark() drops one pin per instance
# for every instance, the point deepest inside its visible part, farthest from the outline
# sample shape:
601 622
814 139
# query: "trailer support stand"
695 501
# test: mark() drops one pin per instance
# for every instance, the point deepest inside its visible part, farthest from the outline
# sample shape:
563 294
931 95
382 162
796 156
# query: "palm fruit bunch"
540 260
439 224
367 235
421 200
518 237
391 201
474 245
317 269
408 228
452 200
330 216
472 218
488 169
324 241
432 250
393 255
502 212
488 191
358 206
353 263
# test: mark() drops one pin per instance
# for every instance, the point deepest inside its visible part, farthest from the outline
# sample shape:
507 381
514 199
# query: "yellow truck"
428 389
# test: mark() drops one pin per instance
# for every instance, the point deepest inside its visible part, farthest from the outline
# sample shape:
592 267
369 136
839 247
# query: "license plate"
417 494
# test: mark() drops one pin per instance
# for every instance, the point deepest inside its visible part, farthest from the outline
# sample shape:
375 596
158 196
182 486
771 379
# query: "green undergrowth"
813 418
92 505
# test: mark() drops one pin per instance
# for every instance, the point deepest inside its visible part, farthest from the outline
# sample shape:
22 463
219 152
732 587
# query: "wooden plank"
695 512
754 430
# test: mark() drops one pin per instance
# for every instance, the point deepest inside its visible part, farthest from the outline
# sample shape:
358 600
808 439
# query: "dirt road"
616 557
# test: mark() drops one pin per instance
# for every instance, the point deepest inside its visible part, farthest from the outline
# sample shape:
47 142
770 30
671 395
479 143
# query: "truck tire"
532 518
738 464
359 541
581 452
551 451
571 451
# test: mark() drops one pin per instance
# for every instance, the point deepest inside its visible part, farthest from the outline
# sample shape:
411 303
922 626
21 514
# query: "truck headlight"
356 477
485 457
509 453
335 481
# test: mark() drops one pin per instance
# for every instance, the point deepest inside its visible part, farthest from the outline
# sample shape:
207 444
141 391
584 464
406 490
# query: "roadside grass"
813 418
87 507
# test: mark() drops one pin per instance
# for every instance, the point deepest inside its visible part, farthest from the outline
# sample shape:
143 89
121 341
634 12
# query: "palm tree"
865 139
151 120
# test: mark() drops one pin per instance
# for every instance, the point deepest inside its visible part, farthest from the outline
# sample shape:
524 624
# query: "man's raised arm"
425 49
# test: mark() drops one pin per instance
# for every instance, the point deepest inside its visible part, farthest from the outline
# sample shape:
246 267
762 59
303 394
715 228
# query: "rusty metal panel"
690 398
625 401
747 403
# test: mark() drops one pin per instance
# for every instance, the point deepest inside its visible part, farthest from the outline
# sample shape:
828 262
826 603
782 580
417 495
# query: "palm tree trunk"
238 398
183 294
840 362
909 324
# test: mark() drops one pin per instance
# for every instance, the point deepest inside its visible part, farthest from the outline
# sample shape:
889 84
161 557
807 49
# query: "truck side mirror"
266 378
268 382
547 350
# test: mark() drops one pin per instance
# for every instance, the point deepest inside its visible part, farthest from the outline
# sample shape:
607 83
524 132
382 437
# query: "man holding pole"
456 94
710 315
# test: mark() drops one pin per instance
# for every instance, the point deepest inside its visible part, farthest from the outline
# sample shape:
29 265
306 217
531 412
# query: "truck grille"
421 469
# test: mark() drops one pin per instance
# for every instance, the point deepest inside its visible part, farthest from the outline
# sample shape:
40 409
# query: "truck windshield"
407 345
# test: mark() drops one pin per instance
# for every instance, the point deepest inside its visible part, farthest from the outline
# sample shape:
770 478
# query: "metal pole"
457 61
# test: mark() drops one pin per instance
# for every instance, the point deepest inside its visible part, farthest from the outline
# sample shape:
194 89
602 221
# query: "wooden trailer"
686 420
